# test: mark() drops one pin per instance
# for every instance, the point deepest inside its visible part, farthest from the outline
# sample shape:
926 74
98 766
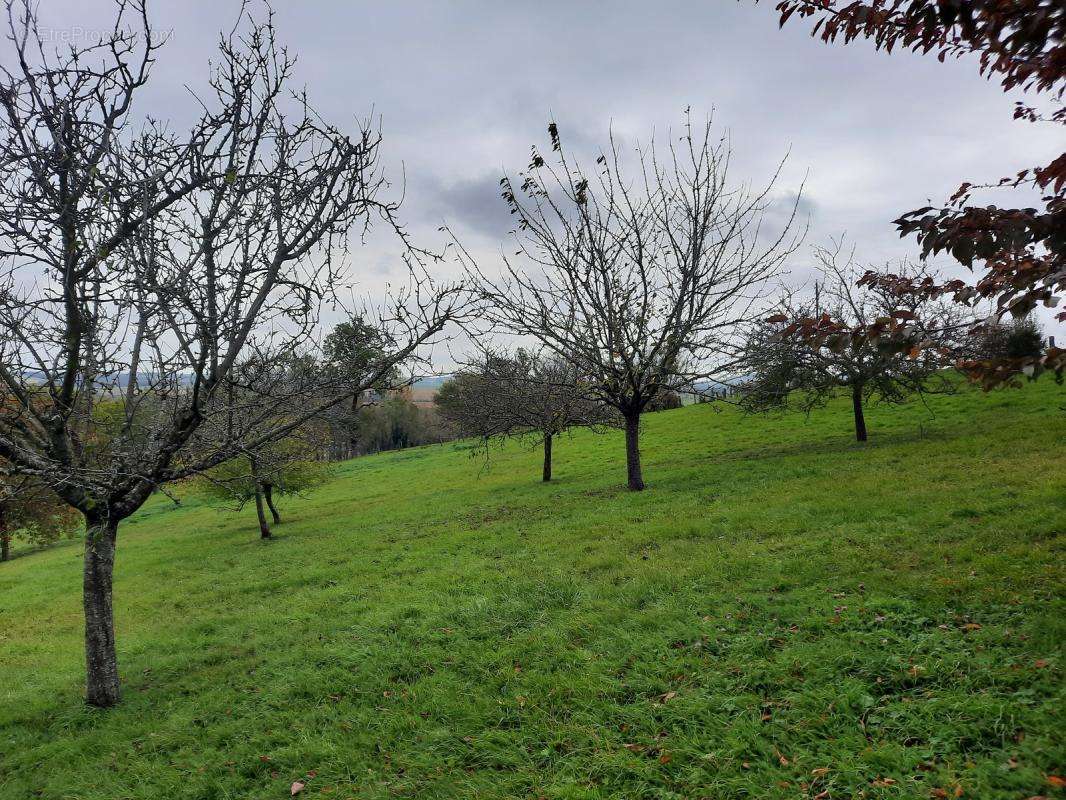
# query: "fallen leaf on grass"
296 788
1056 781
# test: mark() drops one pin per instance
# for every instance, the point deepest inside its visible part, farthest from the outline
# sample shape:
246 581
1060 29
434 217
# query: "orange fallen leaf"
1056 781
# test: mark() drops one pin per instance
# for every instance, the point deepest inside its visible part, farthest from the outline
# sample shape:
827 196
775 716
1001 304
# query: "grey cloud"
464 89
474 205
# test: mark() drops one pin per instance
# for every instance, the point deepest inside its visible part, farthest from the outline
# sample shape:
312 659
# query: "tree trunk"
5 546
353 431
268 494
264 528
101 662
547 457
860 420
636 479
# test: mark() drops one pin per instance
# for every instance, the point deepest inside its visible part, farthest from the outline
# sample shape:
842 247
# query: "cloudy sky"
464 88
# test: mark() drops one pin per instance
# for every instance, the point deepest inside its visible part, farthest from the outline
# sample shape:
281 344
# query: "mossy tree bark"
101 660
633 471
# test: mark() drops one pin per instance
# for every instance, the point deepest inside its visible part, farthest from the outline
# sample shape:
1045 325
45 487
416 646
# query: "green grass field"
782 614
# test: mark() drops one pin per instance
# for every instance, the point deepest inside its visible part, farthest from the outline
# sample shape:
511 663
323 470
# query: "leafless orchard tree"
640 284
522 394
790 370
151 282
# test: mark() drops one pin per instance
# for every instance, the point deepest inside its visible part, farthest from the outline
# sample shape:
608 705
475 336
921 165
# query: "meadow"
783 613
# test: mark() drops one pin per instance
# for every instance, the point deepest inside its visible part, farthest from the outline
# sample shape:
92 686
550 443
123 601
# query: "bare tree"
786 370
525 395
151 282
640 285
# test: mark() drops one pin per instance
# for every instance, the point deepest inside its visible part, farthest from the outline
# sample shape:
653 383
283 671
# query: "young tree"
285 468
524 394
146 268
1023 250
789 371
639 285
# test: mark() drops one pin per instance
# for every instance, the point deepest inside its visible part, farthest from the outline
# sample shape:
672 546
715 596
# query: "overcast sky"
464 88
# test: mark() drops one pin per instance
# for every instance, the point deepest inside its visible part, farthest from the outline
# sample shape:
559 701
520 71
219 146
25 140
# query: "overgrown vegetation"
777 619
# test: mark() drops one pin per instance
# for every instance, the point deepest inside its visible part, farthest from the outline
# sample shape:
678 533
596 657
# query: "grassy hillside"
783 613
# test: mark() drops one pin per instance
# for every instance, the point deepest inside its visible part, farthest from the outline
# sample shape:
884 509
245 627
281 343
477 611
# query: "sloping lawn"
782 614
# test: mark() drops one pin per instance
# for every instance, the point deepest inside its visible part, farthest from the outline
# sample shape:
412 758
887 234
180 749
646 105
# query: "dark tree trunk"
101 662
547 457
264 528
5 546
353 431
860 420
636 479
268 495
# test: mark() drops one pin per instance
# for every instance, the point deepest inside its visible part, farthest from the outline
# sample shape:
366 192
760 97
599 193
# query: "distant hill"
434 382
